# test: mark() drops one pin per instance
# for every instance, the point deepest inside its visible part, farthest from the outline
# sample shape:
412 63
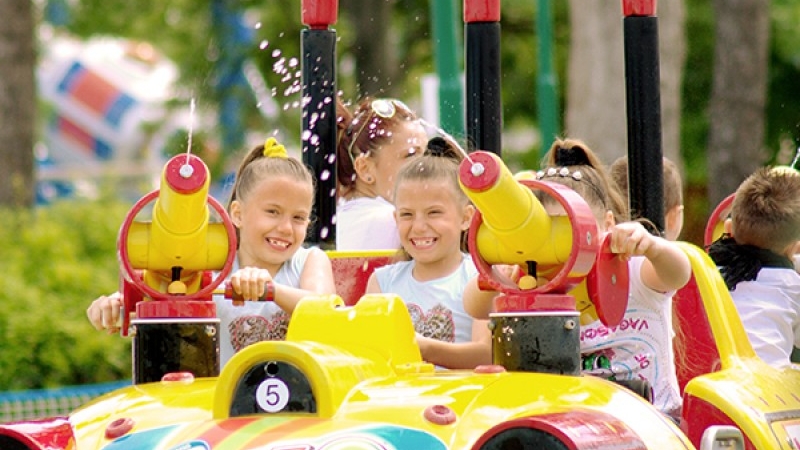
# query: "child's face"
407 140
430 220
272 221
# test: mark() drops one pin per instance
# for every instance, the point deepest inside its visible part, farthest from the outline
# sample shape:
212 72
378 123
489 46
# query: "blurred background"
95 95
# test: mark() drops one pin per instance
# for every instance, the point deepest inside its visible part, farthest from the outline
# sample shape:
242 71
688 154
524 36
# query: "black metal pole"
482 65
642 79
318 46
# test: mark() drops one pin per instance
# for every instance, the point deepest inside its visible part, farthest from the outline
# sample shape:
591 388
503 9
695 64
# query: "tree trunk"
376 61
17 103
595 109
738 95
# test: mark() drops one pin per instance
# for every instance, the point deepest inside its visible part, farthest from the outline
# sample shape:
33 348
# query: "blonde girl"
432 213
270 207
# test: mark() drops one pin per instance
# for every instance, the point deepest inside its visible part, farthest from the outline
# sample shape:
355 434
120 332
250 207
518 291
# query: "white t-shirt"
769 307
253 322
436 306
640 347
365 223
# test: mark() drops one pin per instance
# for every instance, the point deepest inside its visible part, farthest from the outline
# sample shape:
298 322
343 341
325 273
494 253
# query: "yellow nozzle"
516 228
180 234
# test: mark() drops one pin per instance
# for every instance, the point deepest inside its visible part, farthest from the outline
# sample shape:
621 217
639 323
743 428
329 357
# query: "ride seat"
352 269
695 350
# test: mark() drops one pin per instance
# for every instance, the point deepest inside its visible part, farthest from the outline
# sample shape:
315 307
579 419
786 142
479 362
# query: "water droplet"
306 135
263 44
323 233
257 26
324 175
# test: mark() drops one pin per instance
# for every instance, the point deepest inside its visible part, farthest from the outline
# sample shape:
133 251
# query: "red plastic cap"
481 11
639 7
319 13
439 415
479 172
119 427
185 173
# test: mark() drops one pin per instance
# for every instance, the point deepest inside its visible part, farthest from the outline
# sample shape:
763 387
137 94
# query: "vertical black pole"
482 64
319 115
642 78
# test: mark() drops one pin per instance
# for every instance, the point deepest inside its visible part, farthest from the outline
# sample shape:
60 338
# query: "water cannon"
168 265
570 269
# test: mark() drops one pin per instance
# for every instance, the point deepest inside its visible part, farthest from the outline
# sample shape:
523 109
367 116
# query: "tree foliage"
55 260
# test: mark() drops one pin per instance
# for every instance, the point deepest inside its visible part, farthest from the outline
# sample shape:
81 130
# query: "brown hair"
766 209
585 174
256 166
673 183
363 132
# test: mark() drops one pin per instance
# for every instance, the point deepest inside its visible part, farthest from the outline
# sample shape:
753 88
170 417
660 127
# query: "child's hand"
250 283
104 312
511 271
631 239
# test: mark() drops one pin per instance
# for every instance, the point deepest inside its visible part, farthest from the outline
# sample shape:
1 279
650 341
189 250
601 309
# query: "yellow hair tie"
272 149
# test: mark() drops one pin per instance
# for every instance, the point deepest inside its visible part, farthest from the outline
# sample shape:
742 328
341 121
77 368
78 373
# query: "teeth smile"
423 242
278 243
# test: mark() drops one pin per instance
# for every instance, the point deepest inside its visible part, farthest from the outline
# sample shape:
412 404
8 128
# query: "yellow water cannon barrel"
516 228
180 234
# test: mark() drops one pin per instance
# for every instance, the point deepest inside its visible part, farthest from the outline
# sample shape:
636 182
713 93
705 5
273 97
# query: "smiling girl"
270 207
431 213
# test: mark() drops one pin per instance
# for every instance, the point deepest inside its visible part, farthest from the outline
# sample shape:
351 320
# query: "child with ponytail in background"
657 268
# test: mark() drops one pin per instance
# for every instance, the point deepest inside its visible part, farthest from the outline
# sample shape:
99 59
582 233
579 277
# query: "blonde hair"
766 209
439 163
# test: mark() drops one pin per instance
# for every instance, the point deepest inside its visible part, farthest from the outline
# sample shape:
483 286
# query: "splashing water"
191 131
796 159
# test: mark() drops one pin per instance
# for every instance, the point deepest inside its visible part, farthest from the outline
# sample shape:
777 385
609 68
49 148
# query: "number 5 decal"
272 395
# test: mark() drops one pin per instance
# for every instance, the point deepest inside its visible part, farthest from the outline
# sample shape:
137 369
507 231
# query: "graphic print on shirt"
437 323
246 330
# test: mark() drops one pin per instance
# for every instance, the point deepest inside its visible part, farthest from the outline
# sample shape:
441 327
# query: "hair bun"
438 146
572 156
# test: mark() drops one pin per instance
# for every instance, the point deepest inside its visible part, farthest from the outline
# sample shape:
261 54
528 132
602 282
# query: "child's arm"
461 355
666 267
317 278
104 312
373 287
478 303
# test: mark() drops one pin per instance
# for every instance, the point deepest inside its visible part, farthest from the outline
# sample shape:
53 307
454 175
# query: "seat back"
695 350
352 269
709 334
